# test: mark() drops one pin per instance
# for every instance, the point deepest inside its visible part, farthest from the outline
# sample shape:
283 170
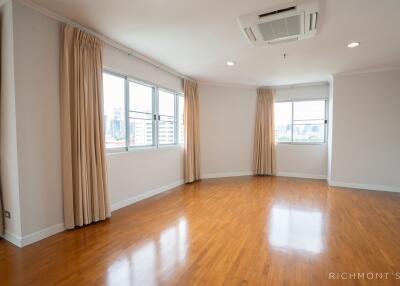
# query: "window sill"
142 149
300 143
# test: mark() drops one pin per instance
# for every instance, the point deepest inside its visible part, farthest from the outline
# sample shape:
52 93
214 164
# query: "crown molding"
297 85
254 86
227 85
368 70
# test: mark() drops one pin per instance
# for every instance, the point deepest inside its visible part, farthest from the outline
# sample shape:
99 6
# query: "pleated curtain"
191 133
83 152
264 140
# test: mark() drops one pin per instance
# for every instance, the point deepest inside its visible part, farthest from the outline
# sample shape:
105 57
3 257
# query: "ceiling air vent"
290 22
250 34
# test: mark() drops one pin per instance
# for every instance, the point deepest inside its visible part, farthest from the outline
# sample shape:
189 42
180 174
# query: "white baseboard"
54 229
33 237
301 175
137 198
250 173
229 174
364 186
13 238
42 234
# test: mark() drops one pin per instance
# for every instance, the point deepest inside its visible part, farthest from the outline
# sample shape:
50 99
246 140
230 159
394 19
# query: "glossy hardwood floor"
233 231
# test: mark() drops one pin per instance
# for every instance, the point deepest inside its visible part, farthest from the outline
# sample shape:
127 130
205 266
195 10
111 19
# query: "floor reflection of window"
152 259
144 264
119 273
173 245
296 229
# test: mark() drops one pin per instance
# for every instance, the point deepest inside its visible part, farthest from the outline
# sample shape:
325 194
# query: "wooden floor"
233 231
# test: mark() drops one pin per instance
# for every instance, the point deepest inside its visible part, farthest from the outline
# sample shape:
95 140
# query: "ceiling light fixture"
353 44
230 63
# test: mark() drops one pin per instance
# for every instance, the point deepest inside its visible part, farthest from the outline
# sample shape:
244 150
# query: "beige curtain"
83 154
192 139
264 140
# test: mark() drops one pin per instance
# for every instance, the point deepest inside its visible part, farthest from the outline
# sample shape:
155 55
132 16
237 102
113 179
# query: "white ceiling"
197 37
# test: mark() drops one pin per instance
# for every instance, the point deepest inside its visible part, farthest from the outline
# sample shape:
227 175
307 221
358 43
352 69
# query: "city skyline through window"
155 116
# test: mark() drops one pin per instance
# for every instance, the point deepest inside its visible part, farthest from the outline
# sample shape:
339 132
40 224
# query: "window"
300 121
114 111
180 118
166 117
141 123
140 115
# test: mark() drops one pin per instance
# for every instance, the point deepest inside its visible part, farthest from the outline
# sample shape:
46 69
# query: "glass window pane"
309 133
141 132
308 110
309 121
140 97
166 132
140 115
166 103
283 121
166 125
167 118
114 110
180 119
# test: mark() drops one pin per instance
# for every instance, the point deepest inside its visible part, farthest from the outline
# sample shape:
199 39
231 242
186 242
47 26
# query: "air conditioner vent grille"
281 28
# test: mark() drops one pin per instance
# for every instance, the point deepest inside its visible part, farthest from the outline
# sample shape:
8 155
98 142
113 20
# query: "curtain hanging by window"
264 140
83 152
191 133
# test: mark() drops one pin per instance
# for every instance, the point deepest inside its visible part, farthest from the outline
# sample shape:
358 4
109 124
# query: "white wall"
32 153
296 159
366 132
131 175
37 45
8 141
227 116
119 62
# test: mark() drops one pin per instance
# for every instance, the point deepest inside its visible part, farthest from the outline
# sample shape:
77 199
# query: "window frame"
115 149
155 115
292 101
176 117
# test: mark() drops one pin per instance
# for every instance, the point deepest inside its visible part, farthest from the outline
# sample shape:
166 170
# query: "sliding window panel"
309 121
167 118
181 102
141 115
283 121
114 111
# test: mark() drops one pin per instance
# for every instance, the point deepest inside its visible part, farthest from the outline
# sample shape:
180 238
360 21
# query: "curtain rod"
109 42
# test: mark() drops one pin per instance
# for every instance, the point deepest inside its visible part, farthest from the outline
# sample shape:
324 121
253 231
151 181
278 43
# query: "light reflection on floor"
161 255
295 228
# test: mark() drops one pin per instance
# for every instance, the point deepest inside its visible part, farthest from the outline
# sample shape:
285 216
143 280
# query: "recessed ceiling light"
353 44
230 63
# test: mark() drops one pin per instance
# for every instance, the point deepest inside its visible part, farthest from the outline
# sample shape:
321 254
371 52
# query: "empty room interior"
208 142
